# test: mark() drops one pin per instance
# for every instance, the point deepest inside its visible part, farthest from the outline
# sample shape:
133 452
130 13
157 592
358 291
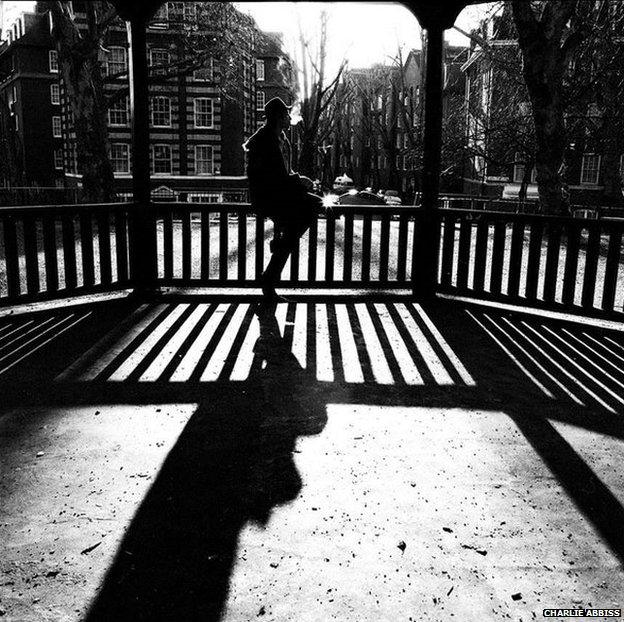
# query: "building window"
53 61
247 71
260 70
590 168
58 159
205 197
161 17
118 112
161 159
56 127
164 195
398 141
55 94
204 160
190 14
518 170
120 157
161 111
621 171
116 61
159 60
205 72
260 100
203 112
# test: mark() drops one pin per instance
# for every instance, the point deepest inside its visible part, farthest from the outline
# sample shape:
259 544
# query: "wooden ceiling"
430 13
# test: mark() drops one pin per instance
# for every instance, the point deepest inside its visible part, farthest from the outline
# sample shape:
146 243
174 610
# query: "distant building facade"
198 119
500 142
378 136
31 139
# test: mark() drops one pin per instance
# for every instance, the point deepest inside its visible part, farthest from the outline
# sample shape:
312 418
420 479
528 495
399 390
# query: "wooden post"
143 224
425 252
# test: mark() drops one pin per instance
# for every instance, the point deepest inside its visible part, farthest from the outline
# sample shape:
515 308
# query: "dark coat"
273 188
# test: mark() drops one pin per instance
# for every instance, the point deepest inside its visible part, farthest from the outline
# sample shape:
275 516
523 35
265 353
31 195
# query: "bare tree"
317 118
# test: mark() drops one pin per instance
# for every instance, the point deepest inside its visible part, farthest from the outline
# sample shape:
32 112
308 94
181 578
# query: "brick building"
199 117
500 130
31 140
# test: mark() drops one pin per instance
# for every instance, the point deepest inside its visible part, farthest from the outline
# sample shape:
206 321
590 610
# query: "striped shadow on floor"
361 343
563 361
21 338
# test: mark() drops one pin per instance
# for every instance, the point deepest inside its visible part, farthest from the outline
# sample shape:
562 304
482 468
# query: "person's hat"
275 106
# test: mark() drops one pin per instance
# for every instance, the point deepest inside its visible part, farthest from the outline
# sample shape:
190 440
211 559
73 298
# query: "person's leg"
291 231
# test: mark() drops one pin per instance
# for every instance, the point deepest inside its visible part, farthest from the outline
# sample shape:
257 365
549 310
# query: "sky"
363 32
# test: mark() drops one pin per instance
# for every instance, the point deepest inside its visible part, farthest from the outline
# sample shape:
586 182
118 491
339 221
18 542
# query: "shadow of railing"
262 377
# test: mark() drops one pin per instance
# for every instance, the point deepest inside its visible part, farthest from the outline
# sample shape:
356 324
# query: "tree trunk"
82 78
543 68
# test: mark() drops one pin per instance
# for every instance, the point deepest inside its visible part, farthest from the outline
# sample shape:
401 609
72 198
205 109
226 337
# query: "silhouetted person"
277 192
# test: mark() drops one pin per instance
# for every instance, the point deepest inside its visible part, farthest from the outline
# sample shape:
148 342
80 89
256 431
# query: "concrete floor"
491 495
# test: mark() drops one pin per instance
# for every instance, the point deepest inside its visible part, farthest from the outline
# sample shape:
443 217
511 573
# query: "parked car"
391 197
343 183
360 198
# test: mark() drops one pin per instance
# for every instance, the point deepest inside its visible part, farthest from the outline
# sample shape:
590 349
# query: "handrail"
514 217
60 209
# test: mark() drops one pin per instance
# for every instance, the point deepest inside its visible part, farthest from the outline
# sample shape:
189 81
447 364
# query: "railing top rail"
10 210
544 218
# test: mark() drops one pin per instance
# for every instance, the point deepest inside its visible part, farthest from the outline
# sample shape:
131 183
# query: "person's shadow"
232 465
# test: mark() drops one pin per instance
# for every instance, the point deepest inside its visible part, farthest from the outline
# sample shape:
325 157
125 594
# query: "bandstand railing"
53 251
568 264
224 245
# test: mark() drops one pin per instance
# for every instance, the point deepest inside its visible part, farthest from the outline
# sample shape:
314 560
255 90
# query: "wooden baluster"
571 263
49 252
551 270
402 250
347 254
121 244
592 254
31 255
104 246
367 227
448 250
384 248
186 246
86 246
312 250
533 261
330 244
611 270
483 232
259 246
168 243
11 257
69 251
205 245
223 246
463 259
241 251
515 258
498 257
